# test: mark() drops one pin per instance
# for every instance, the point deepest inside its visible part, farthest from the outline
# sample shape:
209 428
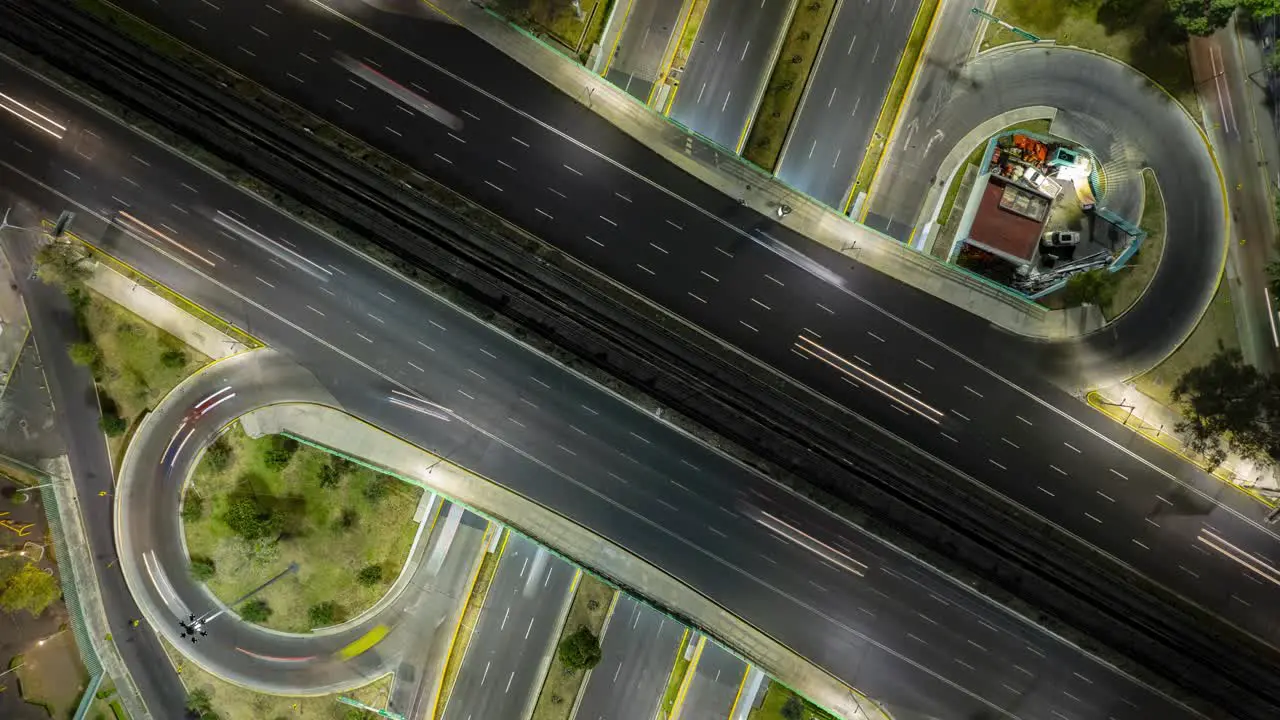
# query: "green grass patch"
896 95
117 711
975 157
689 32
1217 329
331 516
177 300
561 686
1139 32
777 697
233 702
678 670
1136 275
467 624
135 363
787 82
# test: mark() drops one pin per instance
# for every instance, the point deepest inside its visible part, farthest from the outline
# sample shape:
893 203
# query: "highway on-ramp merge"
865 611
928 372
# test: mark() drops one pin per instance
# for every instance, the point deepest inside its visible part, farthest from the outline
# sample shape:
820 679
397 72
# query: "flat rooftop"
1012 234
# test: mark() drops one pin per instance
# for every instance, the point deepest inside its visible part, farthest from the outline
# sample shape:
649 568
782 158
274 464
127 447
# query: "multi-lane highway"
729 65
924 370
649 33
638 651
500 675
870 614
833 125
714 686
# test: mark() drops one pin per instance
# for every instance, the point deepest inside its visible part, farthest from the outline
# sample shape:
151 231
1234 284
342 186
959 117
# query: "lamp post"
195 627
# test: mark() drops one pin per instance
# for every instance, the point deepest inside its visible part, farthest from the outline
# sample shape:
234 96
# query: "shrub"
113 425
250 521
192 507
85 353
279 451
369 575
329 477
346 520
255 611
580 650
203 568
324 614
218 455
173 359
793 708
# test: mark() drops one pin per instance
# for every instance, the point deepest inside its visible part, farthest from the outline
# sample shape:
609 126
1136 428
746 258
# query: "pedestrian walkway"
346 434
1155 421
733 176
14 325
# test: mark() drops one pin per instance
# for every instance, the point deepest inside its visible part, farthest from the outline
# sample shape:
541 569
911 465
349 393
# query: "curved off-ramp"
1130 123
154 561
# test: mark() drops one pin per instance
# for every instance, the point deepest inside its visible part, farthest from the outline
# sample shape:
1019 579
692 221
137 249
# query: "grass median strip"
895 97
679 670
467 622
782 95
782 703
1137 274
684 48
560 688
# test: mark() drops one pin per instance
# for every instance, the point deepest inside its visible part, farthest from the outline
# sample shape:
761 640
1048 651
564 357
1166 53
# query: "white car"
1061 238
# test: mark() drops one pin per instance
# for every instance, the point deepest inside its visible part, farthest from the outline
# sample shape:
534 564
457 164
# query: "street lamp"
194 627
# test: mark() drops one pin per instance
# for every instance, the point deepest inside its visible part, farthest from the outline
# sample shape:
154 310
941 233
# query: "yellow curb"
688 678
897 115
626 15
742 685
1094 401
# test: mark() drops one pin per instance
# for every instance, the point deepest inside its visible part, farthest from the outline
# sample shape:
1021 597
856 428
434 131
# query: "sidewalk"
14 324
1155 421
349 435
735 177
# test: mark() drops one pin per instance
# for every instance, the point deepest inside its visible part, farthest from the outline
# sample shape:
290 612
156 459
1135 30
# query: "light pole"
194 627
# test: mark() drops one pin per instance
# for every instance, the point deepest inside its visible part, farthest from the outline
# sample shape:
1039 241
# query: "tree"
324 614
200 705
85 353
218 455
1095 287
377 488
1261 8
369 575
793 708
65 263
1227 404
113 425
580 650
1202 17
251 521
30 589
203 568
279 451
255 611
329 477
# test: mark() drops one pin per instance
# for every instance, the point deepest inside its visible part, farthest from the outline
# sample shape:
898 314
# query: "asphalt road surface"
829 135
956 388
639 649
500 675
730 62
651 25
154 559
873 616
75 404
715 684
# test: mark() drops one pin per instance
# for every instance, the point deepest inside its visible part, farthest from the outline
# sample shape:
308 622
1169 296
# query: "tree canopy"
30 589
1227 405
580 650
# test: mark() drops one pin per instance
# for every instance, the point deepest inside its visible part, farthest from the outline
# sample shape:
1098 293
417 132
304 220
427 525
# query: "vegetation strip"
678 670
687 35
894 99
467 620
577 649
792 72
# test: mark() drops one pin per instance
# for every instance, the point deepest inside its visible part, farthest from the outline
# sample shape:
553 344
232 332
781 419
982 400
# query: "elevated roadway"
867 612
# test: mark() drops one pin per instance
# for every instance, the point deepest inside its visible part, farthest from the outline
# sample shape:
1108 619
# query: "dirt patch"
52 675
